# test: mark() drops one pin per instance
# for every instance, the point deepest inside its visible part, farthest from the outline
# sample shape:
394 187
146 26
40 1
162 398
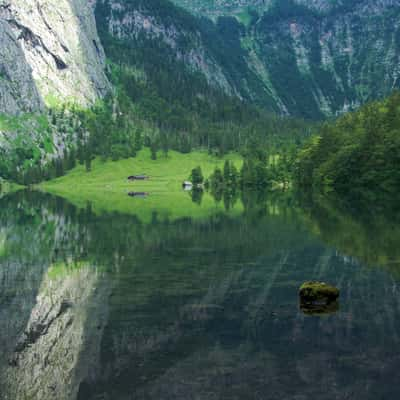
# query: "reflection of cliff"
26 237
204 309
58 346
52 312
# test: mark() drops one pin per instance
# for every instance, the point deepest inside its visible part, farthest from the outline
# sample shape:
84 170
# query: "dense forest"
358 152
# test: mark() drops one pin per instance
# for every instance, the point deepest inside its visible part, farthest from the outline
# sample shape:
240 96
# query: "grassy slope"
106 186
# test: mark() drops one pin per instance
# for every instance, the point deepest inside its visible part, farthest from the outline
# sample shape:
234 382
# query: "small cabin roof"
137 177
138 194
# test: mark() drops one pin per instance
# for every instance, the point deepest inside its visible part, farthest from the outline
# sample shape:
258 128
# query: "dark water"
110 307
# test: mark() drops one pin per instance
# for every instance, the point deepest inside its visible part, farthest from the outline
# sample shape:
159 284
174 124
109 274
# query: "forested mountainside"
159 83
167 77
169 39
50 55
359 154
317 58
216 8
181 72
309 59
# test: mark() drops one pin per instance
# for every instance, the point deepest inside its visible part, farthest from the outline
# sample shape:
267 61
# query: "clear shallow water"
110 307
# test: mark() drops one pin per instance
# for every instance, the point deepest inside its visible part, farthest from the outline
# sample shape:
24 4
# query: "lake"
114 306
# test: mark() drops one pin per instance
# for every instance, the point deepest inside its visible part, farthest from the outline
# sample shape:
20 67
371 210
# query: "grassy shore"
106 186
8 187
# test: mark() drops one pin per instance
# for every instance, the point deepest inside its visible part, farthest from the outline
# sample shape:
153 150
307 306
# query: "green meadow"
8 187
106 186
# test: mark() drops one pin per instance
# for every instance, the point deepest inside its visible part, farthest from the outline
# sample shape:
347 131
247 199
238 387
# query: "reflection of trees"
371 235
40 231
188 309
197 195
239 333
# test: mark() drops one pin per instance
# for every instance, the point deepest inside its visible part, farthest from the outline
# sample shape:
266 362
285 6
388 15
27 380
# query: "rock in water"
318 291
319 309
319 297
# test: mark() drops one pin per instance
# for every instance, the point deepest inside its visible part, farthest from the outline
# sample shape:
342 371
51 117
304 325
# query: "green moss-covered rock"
318 292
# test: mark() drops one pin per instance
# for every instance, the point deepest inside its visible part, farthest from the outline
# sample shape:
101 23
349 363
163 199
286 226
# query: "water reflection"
108 307
197 195
366 231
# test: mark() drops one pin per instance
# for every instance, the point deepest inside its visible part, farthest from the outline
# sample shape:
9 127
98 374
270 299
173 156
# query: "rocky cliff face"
55 48
310 58
330 63
135 21
215 8
316 58
17 87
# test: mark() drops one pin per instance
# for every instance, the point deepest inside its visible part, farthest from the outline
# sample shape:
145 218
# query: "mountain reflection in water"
110 307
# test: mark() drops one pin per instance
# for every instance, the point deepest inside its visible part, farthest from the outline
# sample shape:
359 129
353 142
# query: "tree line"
360 152
260 171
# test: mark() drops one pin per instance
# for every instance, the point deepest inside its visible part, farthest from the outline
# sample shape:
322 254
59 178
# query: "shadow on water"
108 307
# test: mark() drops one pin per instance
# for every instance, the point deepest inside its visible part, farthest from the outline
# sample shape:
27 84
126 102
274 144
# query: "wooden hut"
186 185
138 194
138 178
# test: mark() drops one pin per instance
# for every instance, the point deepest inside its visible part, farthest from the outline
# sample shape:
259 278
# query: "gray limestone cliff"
17 87
316 58
311 58
50 53
131 22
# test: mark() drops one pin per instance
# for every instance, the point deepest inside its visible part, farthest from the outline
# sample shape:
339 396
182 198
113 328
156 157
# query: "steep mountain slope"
17 87
56 46
187 76
316 58
157 25
157 35
215 8
50 54
311 59
330 63
180 80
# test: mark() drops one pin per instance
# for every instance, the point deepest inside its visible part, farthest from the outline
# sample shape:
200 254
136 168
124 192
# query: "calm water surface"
112 307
